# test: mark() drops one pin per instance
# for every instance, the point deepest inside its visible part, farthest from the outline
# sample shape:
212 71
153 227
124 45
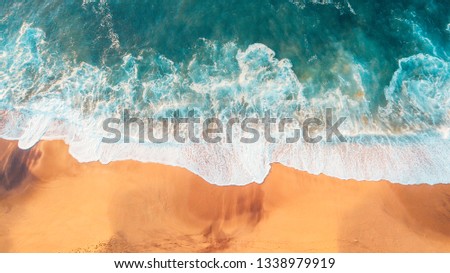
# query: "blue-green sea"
66 66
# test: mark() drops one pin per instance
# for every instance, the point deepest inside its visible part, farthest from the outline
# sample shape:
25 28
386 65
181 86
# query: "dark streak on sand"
14 165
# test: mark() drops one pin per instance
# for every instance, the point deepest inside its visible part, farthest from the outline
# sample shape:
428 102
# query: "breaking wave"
402 137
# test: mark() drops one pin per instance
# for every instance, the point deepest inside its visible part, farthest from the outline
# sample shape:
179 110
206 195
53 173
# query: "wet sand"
51 203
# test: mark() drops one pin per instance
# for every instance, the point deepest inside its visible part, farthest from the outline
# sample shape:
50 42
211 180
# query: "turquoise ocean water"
385 65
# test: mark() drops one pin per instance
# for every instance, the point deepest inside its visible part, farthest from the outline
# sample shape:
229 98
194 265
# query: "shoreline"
49 202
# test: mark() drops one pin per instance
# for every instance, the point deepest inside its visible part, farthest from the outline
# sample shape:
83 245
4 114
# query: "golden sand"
51 203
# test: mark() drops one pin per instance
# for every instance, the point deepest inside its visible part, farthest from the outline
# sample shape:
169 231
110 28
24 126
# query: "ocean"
66 66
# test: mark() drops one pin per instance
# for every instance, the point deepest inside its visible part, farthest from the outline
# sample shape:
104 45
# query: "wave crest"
44 95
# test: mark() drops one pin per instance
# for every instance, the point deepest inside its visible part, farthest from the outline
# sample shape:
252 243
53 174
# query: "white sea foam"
48 97
342 5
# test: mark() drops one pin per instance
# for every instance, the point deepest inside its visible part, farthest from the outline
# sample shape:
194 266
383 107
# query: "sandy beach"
51 203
